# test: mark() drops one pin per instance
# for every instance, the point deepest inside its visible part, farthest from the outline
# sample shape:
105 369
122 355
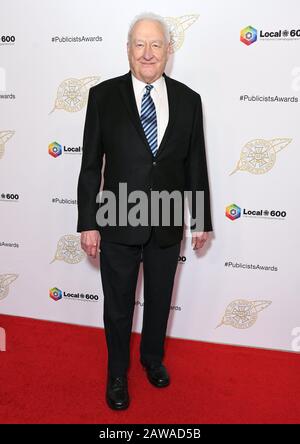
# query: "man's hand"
198 239
90 242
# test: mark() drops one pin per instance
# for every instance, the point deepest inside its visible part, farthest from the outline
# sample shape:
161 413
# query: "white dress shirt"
160 98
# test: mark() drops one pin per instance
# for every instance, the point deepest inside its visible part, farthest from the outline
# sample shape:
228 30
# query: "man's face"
147 50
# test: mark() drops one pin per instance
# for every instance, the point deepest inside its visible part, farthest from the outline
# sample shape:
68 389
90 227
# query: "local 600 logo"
7 39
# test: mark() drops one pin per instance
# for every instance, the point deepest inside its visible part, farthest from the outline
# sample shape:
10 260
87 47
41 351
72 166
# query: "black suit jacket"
113 127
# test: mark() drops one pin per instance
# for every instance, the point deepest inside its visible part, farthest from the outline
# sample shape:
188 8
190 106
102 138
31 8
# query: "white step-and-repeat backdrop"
243 58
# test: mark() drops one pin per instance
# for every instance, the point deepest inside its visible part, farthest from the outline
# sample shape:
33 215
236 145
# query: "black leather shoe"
117 396
157 375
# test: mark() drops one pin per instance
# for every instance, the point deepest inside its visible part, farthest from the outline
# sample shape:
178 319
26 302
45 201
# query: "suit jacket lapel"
172 99
126 88
127 92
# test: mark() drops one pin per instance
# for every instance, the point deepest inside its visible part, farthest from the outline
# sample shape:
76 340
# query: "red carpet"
56 373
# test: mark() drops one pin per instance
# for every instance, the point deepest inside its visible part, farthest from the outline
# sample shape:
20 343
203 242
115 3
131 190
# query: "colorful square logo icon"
55 293
54 149
248 35
233 212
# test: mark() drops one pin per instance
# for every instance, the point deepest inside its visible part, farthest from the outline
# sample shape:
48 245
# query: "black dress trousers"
119 268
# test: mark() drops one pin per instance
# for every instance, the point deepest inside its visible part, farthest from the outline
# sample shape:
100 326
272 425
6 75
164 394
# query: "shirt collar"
139 85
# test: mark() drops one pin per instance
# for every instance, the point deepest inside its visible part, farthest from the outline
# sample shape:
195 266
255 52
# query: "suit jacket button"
153 163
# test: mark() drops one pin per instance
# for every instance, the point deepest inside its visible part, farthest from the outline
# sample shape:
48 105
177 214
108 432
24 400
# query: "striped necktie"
148 119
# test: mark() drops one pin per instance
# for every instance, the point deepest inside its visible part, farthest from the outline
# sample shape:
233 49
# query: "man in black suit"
149 127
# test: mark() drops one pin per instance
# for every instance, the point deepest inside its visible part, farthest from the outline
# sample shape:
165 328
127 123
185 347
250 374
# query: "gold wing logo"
259 155
177 27
4 137
69 250
72 94
242 313
5 281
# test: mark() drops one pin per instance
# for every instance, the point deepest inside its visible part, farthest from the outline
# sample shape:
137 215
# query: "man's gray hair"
154 17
